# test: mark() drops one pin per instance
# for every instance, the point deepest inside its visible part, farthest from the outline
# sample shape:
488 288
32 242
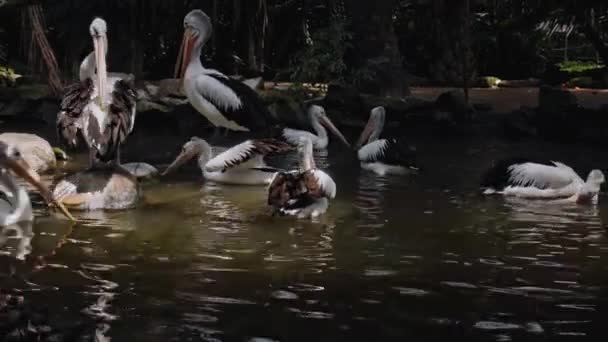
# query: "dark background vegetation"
381 46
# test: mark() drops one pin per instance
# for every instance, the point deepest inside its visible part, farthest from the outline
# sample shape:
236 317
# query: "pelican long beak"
367 132
23 170
185 54
185 156
325 121
100 46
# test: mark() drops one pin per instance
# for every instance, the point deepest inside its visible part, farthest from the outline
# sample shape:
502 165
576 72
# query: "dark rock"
15 107
520 123
556 100
454 102
345 98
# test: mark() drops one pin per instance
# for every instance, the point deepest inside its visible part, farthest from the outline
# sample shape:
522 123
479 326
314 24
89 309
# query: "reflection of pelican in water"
525 210
369 199
15 205
22 234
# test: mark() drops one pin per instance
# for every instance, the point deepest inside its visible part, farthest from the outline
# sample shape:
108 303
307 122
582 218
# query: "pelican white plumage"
242 164
384 155
15 205
530 179
318 120
304 192
98 108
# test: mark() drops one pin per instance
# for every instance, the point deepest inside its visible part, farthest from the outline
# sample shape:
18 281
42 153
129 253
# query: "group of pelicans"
99 111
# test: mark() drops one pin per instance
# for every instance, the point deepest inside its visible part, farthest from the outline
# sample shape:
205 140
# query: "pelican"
304 192
384 156
108 188
225 102
242 164
524 178
15 205
98 108
318 119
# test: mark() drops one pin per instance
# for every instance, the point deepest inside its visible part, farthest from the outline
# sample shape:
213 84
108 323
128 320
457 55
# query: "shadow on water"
394 258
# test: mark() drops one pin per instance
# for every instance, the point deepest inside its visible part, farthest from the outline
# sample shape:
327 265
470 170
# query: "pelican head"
197 31
317 114
374 126
11 159
590 190
194 148
98 31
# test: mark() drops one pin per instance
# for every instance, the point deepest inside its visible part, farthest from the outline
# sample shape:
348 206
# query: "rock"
345 98
530 82
170 87
140 170
15 107
147 106
520 123
454 102
36 151
580 82
556 100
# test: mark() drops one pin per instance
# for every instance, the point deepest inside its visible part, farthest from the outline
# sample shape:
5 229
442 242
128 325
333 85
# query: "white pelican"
98 108
242 164
225 102
525 178
384 156
110 188
318 118
15 205
305 192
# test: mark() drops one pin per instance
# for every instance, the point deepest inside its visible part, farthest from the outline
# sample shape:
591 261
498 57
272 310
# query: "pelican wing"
234 100
249 154
319 184
542 176
73 107
122 119
293 136
388 151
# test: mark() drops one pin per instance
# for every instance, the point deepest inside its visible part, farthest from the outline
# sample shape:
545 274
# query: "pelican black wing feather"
122 119
253 113
75 99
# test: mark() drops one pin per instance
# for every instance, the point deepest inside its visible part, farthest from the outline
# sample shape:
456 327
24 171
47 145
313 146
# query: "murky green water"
422 258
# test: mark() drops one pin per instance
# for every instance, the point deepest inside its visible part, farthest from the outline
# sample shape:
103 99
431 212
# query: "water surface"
422 258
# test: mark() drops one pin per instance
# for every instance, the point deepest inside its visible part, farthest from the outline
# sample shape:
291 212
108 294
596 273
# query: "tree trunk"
452 62
375 48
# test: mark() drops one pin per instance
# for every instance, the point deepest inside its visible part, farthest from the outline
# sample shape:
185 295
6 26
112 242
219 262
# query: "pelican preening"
97 108
318 120
15 205
242 164
384 156
525 178
304 192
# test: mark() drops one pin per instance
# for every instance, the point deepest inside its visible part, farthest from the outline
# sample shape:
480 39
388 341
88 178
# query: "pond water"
423 258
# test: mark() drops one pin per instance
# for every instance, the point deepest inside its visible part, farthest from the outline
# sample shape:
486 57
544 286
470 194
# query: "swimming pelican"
304 192
109 188
318 119
242 164
98 108
384 156
525 178
15 205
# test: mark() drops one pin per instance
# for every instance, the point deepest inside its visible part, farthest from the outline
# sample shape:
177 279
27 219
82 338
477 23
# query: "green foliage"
322 60
578 66
8 77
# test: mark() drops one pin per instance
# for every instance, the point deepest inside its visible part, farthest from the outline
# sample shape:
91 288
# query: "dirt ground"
509 99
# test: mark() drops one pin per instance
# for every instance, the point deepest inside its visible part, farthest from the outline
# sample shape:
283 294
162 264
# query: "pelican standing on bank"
388 156
98 108
242 164
525 178
15 205
319 121
304 192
